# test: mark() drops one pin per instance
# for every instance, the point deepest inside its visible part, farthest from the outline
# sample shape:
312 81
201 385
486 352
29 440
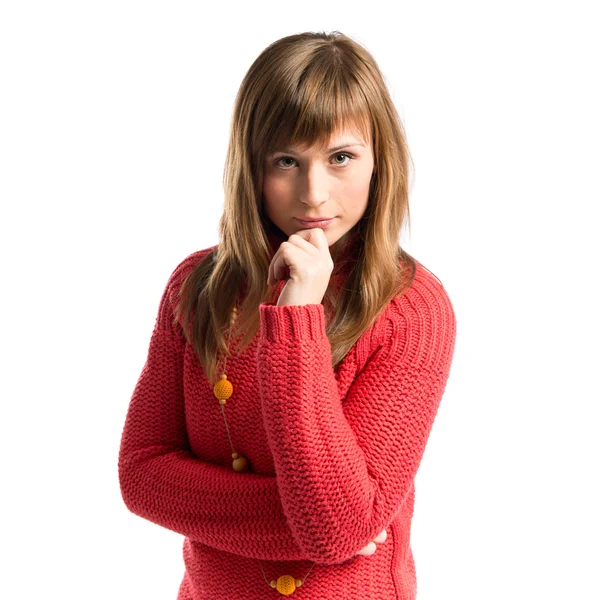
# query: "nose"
314 186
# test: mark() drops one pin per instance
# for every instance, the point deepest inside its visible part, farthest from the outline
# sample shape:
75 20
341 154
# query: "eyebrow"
344 145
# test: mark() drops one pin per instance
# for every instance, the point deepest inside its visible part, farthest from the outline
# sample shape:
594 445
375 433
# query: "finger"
369 549
316 237
316 245
271 278
281 264
270 271
301 239
283 260
381 537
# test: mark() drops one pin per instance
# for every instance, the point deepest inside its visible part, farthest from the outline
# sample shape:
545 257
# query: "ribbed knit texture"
334 452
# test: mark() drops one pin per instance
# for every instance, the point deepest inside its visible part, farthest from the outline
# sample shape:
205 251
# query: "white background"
114 121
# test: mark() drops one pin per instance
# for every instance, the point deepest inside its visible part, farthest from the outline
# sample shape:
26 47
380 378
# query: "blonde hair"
301 90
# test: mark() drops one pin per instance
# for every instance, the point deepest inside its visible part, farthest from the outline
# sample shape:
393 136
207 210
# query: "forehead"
342 138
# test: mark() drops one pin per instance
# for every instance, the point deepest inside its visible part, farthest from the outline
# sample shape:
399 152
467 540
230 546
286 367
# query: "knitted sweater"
334 452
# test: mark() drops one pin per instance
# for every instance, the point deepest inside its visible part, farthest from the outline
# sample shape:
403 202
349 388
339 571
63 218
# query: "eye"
346 154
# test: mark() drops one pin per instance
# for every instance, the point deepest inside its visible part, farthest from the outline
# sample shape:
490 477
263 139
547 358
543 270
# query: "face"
308 183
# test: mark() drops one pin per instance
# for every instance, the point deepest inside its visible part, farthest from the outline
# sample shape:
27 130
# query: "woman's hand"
306 255
371 547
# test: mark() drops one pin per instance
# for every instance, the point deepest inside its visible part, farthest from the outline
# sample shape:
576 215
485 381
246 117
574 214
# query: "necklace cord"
223 389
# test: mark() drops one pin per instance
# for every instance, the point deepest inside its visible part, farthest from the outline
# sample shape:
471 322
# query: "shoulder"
426 295
191 261
185 266
421 322
170 296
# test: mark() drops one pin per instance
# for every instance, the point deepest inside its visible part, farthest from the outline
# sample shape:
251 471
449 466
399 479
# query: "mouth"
315 219
315 223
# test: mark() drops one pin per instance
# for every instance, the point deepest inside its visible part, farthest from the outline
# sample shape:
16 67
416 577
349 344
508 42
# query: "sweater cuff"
291 322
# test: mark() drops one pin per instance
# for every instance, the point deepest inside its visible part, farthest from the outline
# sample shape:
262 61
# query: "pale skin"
318 187
302 182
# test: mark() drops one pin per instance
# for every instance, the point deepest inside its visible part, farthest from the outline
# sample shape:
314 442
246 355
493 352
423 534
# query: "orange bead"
240 464
286 585
223 388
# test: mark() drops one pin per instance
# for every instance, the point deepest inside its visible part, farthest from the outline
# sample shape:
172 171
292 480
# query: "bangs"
321 107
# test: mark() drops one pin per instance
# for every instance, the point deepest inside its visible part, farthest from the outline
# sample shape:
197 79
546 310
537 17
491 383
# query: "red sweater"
334 452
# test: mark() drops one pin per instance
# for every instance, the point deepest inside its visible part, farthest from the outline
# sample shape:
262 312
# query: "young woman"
295 369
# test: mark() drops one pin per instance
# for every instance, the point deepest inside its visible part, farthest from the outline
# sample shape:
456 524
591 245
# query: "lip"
318 223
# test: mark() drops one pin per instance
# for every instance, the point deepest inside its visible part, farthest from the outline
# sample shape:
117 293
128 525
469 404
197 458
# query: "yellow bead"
298 582
286 585
273 584
223 388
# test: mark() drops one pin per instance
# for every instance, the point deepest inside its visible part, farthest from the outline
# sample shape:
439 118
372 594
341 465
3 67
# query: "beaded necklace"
223 389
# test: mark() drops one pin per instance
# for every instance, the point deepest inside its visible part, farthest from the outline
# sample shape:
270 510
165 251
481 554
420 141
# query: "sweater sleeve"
346 465
162 481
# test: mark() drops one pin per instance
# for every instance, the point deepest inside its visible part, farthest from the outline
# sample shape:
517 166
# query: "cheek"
355 197
357 191
273 186
274 195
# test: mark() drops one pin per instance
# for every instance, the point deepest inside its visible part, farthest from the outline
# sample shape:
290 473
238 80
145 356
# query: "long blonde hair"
300 90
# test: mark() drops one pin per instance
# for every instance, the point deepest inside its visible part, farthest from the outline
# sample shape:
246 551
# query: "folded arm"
163 481
345 465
